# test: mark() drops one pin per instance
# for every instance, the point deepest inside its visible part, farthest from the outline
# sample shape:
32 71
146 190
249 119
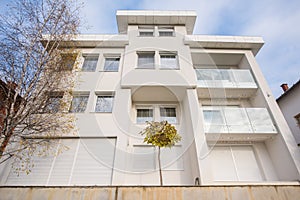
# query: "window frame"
104 95
87 95
146 29
168 106
57 106
144 107
147 65
156 111
297 118
166 66
68 59
106 58
166 29
89 56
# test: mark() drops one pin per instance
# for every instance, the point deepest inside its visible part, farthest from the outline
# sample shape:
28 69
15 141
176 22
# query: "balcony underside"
238 137
211 92
151 77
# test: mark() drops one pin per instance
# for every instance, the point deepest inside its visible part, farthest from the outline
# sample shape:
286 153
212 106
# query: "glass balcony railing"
225 78
237 120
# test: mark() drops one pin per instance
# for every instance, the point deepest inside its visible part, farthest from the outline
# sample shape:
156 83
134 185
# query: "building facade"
7 105
209 87
289 105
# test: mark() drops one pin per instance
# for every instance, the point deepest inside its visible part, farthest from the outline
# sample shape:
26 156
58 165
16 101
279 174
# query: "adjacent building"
210 87
7 95
290 107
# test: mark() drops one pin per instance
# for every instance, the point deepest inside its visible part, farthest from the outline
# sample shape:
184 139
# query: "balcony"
233 83
232 123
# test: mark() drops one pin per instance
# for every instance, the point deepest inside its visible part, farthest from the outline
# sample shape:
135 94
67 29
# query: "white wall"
289 105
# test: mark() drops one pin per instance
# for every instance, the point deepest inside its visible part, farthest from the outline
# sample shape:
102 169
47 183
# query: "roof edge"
156 17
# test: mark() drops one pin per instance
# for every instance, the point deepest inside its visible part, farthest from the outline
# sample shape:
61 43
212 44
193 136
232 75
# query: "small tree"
160 134
37 67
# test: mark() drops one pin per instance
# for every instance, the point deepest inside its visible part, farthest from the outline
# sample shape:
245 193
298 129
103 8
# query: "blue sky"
277 21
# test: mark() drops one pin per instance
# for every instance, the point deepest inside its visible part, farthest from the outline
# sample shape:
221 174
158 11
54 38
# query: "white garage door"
86 162
234 163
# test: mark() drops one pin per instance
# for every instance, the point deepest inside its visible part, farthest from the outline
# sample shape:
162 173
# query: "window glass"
144 114
213 117
104 104
146 60
166 31
79 103
168 114
111 64
168 61
90 63
53 103
146 31
68 61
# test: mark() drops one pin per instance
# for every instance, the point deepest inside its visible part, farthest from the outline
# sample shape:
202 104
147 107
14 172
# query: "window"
53 102
165 31
146 31
144 114
68 61
112 64
168 114
156 112
79 103
90 63
146 60
168 61
146 34
104 104
297 117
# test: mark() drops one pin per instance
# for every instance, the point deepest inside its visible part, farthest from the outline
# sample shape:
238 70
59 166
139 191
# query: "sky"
276 21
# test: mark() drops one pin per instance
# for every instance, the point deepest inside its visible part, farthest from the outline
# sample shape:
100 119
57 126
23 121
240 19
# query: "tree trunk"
159 166
4 144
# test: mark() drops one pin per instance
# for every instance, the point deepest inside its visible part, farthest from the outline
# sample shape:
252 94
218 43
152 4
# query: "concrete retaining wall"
153 193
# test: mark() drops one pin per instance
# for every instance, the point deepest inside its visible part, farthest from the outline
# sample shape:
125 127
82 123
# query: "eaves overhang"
155 17
224 42
92 41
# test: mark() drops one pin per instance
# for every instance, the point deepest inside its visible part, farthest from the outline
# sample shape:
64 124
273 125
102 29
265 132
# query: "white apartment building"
210 87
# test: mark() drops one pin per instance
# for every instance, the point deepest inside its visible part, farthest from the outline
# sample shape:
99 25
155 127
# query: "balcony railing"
225 78
237 120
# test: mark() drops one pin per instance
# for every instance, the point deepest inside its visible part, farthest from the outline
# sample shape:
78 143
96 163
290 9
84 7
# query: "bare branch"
33 68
